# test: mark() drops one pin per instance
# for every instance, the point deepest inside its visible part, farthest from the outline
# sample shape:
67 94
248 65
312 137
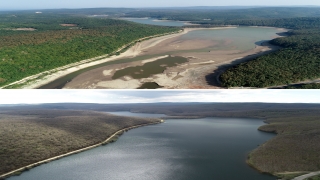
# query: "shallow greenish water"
150 85
150 68
179 149
241 38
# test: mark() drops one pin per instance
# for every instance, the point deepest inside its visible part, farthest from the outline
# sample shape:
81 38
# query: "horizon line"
154 7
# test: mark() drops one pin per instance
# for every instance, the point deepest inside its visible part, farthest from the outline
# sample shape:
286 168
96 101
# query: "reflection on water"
181 149
241 39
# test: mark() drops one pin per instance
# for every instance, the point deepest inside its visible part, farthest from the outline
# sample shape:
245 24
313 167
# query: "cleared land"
29 135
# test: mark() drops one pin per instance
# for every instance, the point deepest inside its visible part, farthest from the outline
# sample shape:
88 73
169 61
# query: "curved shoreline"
306 174
34 82
41 79
6 175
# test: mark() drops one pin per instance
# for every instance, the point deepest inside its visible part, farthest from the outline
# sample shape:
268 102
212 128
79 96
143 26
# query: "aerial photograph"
160 90
160 134
79 44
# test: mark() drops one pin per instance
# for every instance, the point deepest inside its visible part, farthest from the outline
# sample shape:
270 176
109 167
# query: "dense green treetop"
60 40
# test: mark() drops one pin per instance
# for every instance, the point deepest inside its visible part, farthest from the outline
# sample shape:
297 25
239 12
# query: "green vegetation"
314 178
299 60
213 15
304 86
61 37
29 135
149 68
60 40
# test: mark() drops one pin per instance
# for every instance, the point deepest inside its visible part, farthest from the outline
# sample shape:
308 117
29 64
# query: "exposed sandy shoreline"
74 152
33 82
190 75
56 73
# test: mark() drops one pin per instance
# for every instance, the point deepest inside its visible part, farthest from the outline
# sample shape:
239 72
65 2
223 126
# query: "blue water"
155 22
179 149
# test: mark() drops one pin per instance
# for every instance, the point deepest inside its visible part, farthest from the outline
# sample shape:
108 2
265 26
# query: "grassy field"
31 135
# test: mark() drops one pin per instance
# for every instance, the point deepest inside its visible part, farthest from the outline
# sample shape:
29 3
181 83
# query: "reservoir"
179 149
205 45
152 21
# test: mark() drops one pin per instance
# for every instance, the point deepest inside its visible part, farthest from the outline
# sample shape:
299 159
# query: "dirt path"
73 152
306 176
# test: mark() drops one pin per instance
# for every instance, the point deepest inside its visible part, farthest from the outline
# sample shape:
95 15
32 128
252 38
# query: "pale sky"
155 96
53 4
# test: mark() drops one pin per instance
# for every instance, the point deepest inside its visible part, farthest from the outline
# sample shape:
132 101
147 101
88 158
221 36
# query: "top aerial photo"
159 44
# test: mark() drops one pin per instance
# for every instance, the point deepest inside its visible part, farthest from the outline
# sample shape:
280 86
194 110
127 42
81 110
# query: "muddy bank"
206 59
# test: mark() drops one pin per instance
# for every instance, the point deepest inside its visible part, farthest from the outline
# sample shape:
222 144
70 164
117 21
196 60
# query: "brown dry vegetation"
28 136
295 148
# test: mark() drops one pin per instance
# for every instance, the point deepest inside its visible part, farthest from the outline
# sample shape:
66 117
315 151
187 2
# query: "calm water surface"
152 21
241 38
180 149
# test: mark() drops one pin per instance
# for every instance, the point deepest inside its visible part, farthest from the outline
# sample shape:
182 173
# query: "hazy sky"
147 96
50 4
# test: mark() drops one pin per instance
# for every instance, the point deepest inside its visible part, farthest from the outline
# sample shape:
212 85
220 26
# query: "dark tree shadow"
213 78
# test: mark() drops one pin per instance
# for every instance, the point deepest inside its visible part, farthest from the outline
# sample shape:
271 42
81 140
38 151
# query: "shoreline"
50 75
33 82
185 76
136 48
299 175
28 167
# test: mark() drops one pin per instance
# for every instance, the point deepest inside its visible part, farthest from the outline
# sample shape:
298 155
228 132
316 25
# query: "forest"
213 15
29 135
295 148
33 43
298 60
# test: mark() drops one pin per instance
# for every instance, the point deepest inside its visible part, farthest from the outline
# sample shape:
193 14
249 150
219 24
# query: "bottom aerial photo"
159 134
